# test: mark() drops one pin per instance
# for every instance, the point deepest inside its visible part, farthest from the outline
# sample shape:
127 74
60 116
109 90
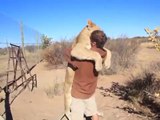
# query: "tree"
153 36
46 41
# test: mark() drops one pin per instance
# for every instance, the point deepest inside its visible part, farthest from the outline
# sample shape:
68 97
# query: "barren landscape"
46 101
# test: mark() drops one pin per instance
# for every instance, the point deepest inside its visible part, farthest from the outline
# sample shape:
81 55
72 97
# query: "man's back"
85 79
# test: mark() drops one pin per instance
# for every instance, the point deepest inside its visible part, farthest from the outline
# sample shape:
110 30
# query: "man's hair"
99 37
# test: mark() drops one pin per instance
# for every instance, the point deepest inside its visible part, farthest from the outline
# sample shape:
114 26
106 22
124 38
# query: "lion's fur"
2 94
1 118
81 50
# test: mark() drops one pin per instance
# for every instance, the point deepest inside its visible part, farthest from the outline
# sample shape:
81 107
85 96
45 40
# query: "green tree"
46 41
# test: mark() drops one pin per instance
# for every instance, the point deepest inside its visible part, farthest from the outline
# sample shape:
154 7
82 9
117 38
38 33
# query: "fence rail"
32 53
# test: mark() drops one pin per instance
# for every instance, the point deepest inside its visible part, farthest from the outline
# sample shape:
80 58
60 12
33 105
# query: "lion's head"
84 35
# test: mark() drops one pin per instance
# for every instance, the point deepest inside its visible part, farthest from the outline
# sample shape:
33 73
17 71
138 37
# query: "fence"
32 53
15 32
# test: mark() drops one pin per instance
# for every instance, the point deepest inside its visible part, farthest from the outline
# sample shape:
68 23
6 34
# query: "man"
85 80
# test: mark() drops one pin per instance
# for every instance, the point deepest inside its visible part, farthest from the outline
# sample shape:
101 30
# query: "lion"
81 50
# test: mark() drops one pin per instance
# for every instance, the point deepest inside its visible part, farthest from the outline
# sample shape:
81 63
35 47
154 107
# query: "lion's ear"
90 23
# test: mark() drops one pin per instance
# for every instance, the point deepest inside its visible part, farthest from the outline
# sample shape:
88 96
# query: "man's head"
99 38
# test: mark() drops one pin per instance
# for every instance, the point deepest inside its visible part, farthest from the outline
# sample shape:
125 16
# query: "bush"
54 90
143 92
31 48
46 41
3 51
123 54
54 54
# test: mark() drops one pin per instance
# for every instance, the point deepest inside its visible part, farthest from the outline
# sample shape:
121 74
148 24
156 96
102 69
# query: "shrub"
142 91
3 51
54 54
31 48
46 41
155 67
54 90
123 54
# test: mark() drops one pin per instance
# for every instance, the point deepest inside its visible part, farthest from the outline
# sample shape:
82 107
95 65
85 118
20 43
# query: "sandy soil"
37 105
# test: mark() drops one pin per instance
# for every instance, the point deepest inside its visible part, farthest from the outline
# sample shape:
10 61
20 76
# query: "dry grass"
3 63
32 58
54 90
155 68
142 92
123 54
54 54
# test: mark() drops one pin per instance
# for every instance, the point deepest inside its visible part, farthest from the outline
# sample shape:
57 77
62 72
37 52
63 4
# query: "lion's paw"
98 65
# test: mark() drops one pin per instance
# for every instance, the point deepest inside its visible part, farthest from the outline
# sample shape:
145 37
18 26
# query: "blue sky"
65 18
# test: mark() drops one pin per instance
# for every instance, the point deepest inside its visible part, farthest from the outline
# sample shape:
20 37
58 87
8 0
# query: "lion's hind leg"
67 88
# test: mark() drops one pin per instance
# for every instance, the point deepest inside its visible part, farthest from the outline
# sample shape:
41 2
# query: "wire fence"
32 53
15 32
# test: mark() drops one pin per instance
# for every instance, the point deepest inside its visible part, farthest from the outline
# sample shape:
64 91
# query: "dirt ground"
37 105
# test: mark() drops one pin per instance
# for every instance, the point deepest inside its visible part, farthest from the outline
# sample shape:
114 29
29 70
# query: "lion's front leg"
107 59
98 64
67 88
82 53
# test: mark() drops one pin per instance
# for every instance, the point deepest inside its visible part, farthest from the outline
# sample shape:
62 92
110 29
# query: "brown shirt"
85 78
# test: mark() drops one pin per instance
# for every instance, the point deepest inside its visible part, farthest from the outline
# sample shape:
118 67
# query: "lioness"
81 50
